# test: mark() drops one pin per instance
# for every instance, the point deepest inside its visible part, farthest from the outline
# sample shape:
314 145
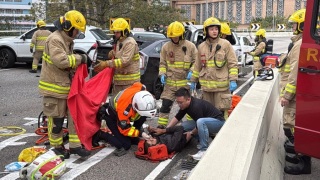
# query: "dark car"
149 63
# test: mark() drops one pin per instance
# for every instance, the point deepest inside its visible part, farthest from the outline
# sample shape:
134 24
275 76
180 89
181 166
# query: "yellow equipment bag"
31 153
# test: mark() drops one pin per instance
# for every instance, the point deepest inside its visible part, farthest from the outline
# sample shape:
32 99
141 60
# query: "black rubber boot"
292 158
289 148
80 151
62 151
288 133
303 167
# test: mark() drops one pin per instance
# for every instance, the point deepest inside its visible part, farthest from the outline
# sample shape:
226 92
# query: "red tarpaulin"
85 99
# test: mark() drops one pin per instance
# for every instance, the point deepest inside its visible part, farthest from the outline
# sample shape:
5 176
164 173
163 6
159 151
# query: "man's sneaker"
199 155
120 152
80 151
33 71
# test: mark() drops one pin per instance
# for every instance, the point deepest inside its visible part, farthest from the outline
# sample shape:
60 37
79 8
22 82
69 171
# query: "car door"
247 47
22 44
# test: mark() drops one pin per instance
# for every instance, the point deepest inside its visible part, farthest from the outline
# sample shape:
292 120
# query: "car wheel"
7 58
157 89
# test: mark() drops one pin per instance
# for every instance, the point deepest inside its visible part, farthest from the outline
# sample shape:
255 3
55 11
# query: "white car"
246 46
17 49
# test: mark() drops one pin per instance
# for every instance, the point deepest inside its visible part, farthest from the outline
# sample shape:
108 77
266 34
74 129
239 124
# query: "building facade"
238 11
13 11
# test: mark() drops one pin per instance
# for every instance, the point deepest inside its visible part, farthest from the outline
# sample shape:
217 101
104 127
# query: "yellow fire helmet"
211 22
261 32
175 29
41 23
74 19
122 25
298 17
225 29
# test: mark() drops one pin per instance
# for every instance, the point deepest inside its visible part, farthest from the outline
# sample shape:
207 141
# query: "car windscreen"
99 34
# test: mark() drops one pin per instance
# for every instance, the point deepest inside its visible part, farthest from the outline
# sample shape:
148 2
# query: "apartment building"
13 11
240 11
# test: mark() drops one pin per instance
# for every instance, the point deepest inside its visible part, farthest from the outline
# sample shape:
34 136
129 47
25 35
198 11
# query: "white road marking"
78 169
242 86
12 141
32 121
159 169
4 70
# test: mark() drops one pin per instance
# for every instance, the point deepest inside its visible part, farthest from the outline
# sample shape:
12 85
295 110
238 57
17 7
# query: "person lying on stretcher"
173 137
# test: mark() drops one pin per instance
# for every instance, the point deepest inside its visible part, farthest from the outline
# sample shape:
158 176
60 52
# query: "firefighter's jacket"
126 62
176 61
258 50
289 70
215 68
57 65
122 104
39 38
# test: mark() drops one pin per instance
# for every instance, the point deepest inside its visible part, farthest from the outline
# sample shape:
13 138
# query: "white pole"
207 13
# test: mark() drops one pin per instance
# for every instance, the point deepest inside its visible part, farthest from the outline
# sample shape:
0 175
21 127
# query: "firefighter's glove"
145 136
233 86
193 86
189 75
84 58
163 79
31 50
100 66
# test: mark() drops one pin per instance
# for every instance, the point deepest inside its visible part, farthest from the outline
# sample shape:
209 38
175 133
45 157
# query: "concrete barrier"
250 144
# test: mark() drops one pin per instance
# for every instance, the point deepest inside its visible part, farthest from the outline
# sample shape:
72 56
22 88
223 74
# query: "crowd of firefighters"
213 65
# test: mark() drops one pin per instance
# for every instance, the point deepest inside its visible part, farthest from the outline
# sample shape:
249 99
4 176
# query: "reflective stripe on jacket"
58 62
39 38
176 61
126 62
122 104
207 69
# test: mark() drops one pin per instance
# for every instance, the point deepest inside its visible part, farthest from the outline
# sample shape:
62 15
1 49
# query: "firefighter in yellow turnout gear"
38 40
124 58
58 66
288 82
216 67
176 58
260 41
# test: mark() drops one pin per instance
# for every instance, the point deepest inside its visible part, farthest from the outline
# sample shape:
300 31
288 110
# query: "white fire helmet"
145 104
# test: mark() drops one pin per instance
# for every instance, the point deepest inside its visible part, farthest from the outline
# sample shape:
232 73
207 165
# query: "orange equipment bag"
271 61
155 153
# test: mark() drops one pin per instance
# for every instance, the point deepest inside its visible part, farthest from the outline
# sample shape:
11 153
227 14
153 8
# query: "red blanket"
84 101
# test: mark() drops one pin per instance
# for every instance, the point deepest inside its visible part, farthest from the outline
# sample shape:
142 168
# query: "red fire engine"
307 126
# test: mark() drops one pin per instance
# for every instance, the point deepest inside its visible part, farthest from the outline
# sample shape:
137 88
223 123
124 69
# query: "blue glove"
189 75
163 79
193 86
233 86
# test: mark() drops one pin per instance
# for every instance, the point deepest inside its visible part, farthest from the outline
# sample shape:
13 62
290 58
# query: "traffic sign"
186 23
255 26
281 26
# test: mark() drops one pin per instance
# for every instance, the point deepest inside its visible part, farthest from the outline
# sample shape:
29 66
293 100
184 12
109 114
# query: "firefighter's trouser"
256 66
289 114
36 58
221 100
168 97
56 110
